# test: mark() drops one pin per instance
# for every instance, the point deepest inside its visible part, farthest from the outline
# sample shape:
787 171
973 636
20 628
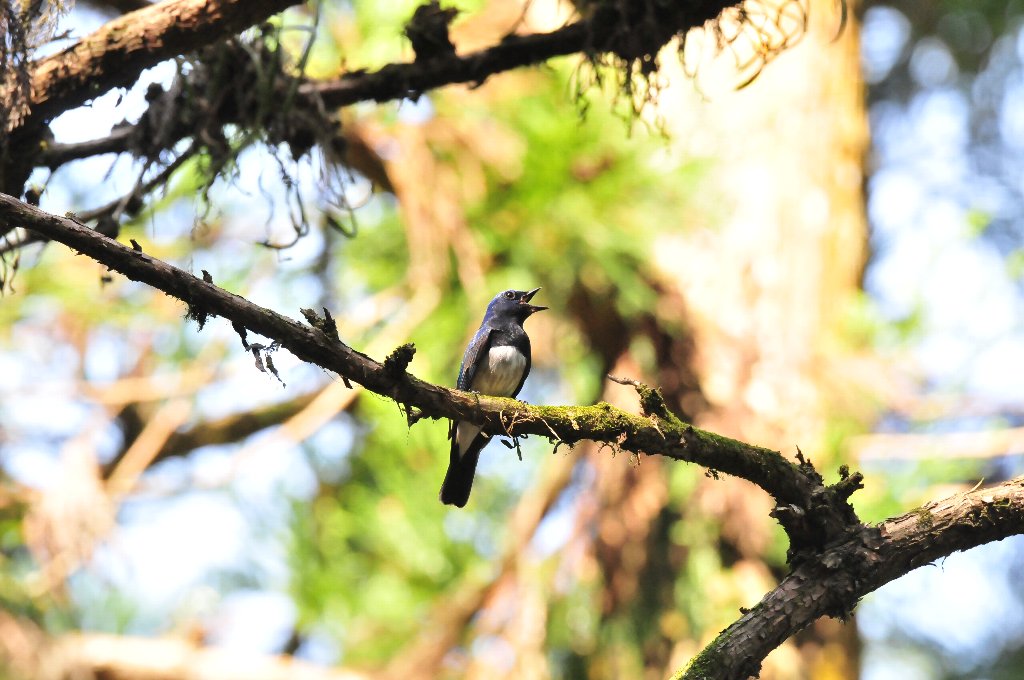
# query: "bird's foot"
514 444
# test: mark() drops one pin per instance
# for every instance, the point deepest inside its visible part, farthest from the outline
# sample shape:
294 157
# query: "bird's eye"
509 295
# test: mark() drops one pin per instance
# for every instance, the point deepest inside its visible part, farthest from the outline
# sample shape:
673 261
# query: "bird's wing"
477 349
475 353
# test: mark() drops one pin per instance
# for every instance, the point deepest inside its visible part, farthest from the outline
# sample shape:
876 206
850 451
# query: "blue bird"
496 363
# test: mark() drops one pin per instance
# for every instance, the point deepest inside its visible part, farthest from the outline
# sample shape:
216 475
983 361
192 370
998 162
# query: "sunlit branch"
226 430
121 49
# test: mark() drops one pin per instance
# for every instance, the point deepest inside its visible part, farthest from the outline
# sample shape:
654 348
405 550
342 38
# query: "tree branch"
118 52
833 582
797 488
57 154
114 56
121 49
610 30
410 80
632 33
828 578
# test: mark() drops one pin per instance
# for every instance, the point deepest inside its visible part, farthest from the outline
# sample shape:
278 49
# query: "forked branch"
832 582
835 559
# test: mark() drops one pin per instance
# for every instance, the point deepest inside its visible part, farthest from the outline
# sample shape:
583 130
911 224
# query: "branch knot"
399 360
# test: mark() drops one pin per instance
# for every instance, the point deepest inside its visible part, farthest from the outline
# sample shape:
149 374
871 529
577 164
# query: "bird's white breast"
500 374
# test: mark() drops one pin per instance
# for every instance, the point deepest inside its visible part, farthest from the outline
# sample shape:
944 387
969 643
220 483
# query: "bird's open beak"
529 296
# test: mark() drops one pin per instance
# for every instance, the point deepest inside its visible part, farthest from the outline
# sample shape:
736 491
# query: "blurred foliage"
543 196
923 56
565 200
526 192
945 83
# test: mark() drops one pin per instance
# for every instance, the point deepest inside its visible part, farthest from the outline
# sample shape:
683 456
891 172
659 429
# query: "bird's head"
515 303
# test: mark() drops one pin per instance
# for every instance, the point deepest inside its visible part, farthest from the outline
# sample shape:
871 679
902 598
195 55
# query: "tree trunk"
769 267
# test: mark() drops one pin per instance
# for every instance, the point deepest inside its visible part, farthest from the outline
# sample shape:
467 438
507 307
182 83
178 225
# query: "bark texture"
832 583
121 49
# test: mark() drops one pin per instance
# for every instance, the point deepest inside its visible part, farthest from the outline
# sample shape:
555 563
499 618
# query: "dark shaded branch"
410 80
115 56
55 155
395 81
833 582
119 6
789 483
631 31
117 53
608 31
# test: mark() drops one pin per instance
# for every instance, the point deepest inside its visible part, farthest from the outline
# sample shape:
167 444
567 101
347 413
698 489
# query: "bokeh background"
828 257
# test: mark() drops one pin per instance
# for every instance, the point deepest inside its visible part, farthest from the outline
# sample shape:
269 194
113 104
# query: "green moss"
700 666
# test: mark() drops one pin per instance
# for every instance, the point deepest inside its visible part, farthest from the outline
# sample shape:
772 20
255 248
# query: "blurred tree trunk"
769 268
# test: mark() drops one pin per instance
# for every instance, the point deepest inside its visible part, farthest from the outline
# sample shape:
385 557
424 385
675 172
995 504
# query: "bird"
496 363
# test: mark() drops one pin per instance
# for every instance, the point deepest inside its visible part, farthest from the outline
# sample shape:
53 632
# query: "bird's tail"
458 481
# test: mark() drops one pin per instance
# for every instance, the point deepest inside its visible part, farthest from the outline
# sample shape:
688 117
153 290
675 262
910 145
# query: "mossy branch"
812 513
654 433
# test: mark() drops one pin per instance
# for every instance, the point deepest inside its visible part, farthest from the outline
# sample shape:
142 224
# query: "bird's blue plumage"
496 362
477 346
